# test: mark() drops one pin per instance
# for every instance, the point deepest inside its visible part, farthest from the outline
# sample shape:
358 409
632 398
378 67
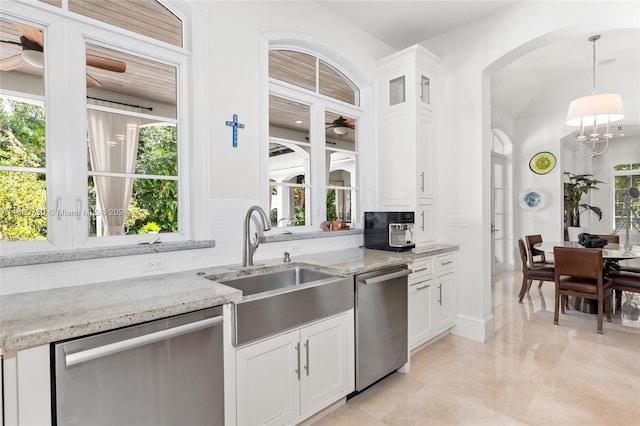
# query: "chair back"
578 262
523 254
531 241
612 238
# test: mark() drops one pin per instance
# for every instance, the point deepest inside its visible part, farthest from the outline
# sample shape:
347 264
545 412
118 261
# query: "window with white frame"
103 161
626 207
313 112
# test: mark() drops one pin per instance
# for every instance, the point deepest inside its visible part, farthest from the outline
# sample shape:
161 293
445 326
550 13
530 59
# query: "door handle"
422 214
135 342
298 353
386 277
422 185
423 287
306 345
440 294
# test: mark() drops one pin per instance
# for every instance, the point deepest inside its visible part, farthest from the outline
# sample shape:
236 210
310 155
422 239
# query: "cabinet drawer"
422 268
445 263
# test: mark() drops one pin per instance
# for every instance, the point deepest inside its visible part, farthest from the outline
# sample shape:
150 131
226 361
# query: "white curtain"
113 147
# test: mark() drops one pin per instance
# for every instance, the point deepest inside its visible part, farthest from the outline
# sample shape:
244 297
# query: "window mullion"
319 164
64 83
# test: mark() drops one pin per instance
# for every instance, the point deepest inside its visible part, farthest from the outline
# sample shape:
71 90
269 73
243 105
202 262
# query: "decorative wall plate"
542 163
531 199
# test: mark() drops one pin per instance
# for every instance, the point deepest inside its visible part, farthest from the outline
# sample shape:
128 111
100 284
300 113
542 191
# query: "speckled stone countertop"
40 317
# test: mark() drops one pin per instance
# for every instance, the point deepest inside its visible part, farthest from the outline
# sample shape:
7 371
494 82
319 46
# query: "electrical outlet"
156 264
458 222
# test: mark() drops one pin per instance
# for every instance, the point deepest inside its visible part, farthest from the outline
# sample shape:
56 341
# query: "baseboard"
478 329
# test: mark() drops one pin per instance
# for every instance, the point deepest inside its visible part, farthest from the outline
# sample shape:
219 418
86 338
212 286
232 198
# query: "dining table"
612 252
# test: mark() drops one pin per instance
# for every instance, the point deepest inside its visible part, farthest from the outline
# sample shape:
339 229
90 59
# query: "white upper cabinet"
408 136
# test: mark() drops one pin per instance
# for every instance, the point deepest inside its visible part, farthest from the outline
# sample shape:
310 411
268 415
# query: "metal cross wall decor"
235 125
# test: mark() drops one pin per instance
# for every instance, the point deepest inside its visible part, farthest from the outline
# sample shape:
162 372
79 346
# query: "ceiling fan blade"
11 42
92 82
31 33
106 63
11 63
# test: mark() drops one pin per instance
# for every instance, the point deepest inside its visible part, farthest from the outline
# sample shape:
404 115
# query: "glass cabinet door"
397 91
425 90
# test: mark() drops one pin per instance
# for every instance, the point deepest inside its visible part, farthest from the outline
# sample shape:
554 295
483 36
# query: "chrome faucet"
251 246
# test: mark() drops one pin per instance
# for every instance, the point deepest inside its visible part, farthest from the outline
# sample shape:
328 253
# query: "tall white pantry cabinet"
407 137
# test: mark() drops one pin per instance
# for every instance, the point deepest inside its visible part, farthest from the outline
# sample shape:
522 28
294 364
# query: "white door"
324 363
498 210
268 382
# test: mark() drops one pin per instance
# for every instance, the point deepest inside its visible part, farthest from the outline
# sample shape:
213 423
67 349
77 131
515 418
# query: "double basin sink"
276 301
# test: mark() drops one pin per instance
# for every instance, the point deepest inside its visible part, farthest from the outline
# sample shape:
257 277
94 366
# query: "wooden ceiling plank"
141 21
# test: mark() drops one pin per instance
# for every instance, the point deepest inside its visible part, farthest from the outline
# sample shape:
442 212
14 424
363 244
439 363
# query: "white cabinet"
420 290
289 377
407 142
444 300
26 387
432 305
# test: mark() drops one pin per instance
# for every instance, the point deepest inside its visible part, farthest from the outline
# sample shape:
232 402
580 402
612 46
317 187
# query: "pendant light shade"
601 108
594 111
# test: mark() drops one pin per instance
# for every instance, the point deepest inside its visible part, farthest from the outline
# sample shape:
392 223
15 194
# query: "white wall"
233 43
464 124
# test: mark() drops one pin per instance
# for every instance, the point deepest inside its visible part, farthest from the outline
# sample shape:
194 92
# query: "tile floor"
530 373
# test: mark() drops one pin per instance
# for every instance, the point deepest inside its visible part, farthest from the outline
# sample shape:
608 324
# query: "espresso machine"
391 231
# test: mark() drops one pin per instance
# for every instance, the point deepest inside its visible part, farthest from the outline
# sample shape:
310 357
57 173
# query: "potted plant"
150 228
574 189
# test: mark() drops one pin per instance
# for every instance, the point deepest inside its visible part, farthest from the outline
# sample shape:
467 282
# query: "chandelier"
592 112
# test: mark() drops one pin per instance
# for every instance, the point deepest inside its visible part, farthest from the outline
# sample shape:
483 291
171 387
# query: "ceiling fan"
32 44
341 124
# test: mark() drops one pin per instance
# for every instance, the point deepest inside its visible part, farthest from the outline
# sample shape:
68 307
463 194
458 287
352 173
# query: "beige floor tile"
531 372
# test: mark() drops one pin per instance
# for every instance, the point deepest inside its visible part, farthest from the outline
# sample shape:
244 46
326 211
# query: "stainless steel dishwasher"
164 372
381 313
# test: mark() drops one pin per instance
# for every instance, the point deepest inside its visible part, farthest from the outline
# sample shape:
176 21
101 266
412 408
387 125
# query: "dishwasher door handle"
386 277
123 345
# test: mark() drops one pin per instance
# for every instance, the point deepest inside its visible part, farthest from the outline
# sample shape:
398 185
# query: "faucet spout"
250 247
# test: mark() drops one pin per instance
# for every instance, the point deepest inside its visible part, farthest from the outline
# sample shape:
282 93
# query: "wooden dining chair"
536 257
579 272
530 273
611 238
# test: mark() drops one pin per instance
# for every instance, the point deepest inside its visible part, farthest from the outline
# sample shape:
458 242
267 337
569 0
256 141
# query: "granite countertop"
40 317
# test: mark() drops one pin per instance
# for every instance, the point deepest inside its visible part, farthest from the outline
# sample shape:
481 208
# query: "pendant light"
591 112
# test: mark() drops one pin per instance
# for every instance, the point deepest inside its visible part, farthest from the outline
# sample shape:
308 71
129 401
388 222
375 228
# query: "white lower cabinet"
419 312
432 292
444 300
443 303
26 387
289 377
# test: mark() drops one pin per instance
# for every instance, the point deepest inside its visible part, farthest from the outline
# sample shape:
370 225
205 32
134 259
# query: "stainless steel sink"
275 280
277 301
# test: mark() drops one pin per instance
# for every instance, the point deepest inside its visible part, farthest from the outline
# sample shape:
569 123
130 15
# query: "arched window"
313 113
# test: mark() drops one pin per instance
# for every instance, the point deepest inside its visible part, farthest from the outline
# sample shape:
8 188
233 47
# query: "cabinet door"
324 359
397 148
268 382
424 226
419 313
424 90
424 157
444 302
